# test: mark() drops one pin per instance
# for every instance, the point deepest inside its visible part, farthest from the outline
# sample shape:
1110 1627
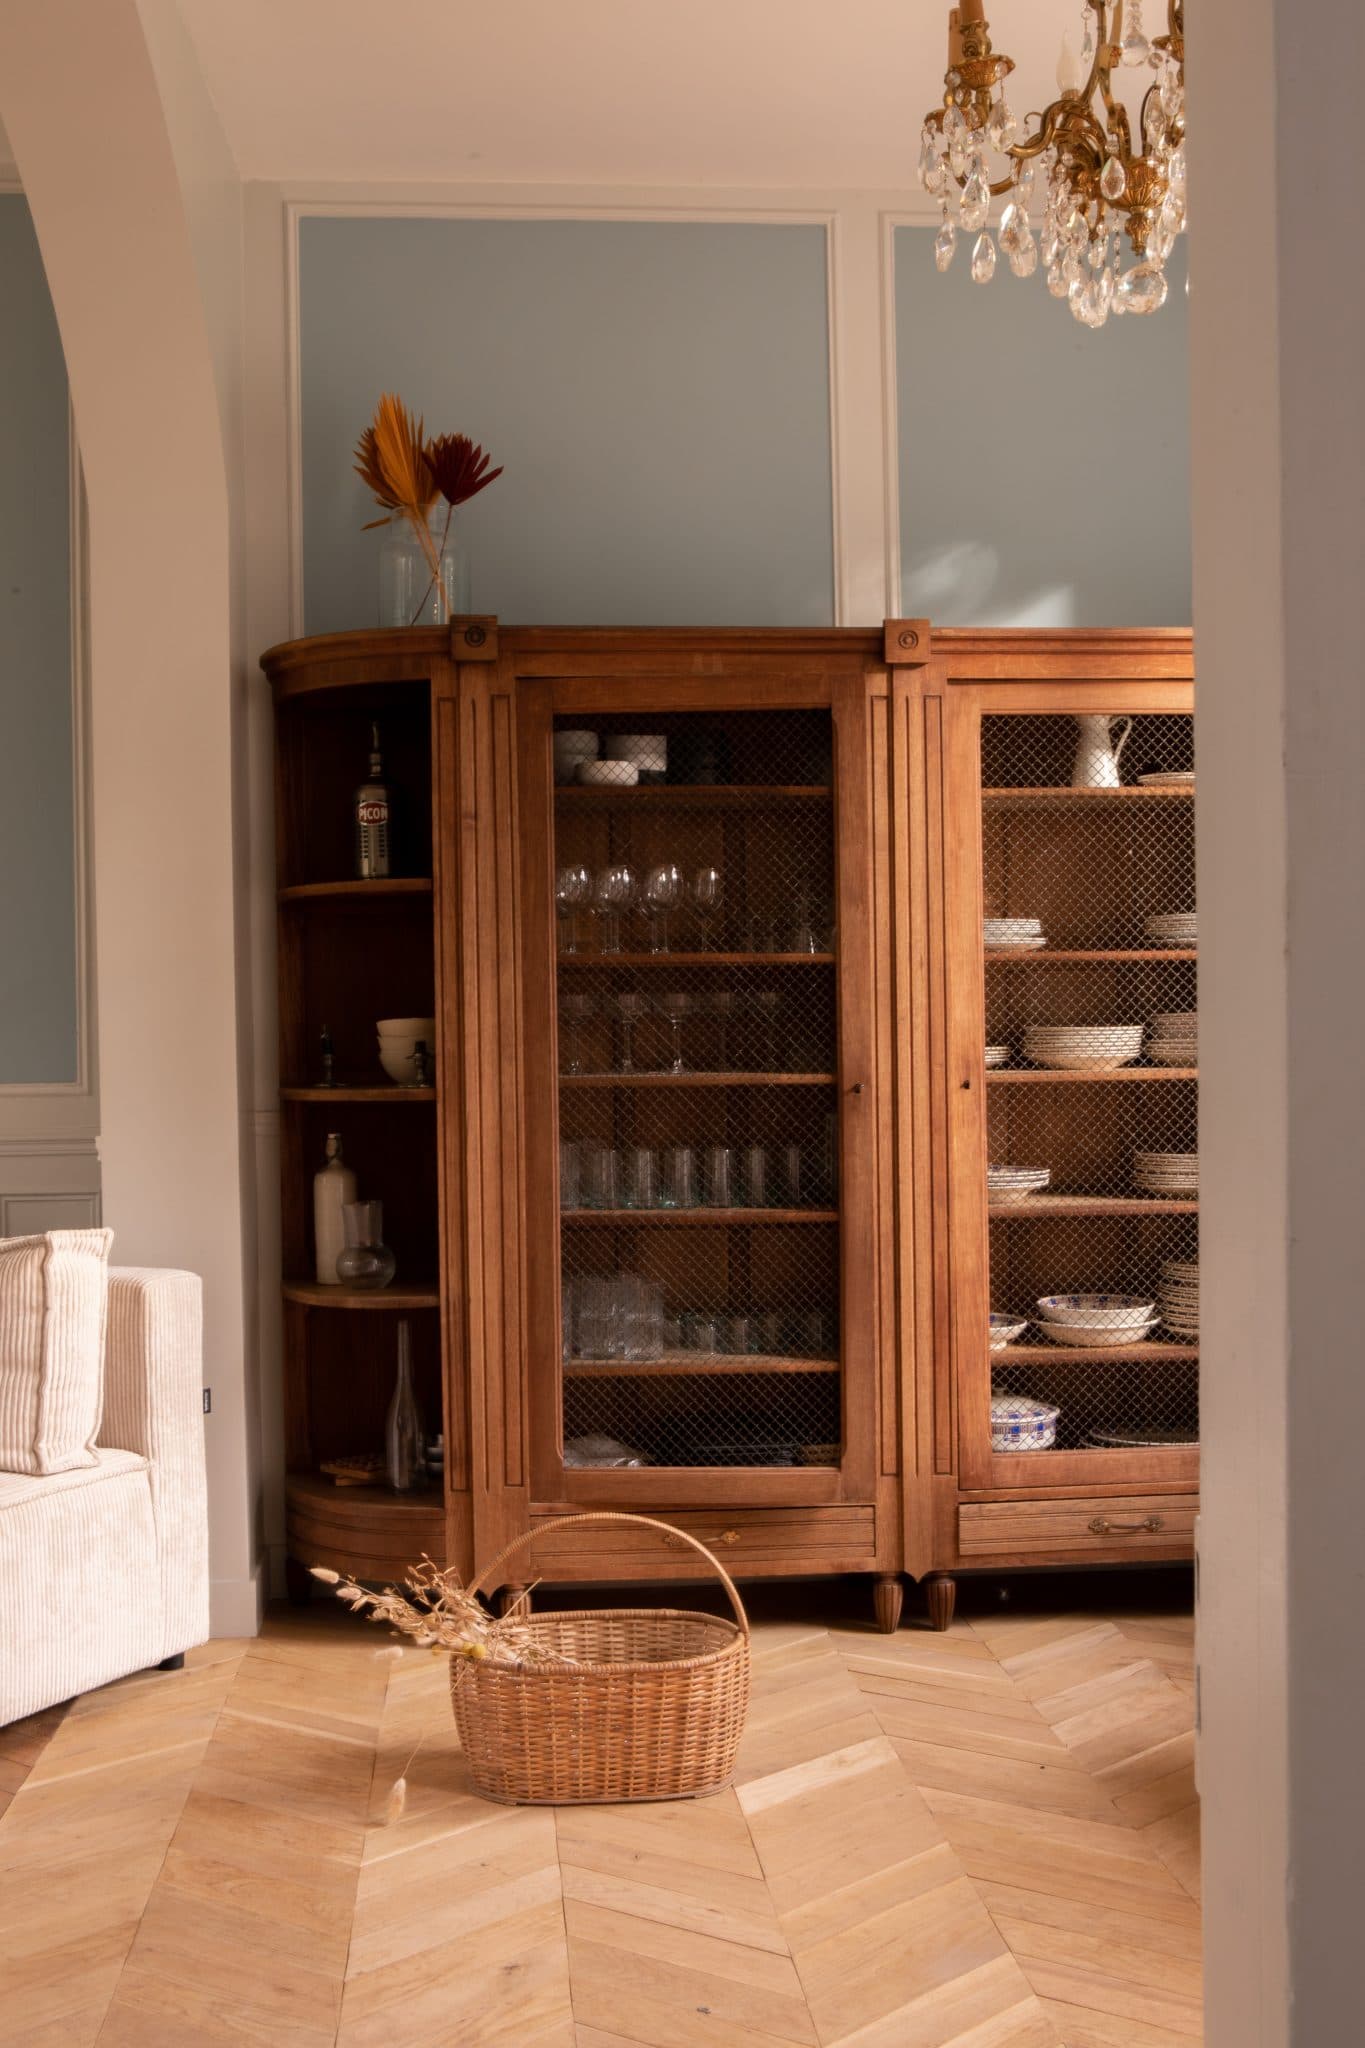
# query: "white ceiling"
614 92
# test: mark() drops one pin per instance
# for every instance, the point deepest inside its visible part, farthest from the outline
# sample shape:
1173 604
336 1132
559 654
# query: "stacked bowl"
1166 1173
1017 934
998 1055
1178 1294
398 1038
1083 1048
1005 1330
1019 1423
571 749
1173 928
645 752
1173 1038
1016 1183
1096 1321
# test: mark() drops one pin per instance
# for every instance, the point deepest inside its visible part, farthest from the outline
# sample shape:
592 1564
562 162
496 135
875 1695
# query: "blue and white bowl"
1097 1311
1020 1424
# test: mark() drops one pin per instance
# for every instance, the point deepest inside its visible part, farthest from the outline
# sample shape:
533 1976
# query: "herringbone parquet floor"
984 1839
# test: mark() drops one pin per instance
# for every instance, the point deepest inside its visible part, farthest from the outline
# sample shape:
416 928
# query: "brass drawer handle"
726 1536
1100 1525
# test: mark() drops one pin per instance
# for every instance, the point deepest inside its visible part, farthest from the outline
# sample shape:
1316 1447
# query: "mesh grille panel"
697 1046
1092 1123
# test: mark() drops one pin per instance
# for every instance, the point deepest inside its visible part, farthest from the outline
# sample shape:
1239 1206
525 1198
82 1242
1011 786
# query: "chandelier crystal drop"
1099 181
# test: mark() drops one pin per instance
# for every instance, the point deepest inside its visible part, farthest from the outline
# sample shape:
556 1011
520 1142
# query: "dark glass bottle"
373 804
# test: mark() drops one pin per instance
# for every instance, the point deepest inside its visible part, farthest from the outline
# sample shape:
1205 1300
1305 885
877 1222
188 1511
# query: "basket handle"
482 1578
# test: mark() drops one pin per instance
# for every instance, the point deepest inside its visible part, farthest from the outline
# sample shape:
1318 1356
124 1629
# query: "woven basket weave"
653 1708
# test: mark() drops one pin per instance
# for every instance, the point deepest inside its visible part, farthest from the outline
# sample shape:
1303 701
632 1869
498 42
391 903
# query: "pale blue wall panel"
658 393
1044 468
37 859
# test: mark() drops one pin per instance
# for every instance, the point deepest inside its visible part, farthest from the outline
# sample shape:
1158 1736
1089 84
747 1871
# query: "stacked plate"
1076 1048
1005 1330
1168 778
998 1055
1173 928
1178 1294
1016 1183
1149 1440
1018 933
1166 1173
1096 1321
1173 1038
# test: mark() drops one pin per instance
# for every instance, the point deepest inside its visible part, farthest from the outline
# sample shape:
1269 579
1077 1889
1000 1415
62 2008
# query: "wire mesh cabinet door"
695 859
1073 1083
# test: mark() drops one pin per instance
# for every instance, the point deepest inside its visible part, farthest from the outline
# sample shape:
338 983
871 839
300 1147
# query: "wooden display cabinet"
799 1359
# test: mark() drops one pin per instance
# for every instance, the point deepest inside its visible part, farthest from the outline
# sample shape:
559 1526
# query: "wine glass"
614 894
573 892
677 1009
663 889
575 1011
708 896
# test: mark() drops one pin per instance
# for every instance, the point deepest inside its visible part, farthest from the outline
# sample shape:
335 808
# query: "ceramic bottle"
333 1188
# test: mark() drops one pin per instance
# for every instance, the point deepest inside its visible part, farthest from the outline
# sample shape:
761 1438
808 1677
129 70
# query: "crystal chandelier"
1099 184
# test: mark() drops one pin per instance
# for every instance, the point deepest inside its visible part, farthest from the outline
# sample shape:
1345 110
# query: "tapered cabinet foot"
298 1582
508 1598
940 1595
176 1663
888 1595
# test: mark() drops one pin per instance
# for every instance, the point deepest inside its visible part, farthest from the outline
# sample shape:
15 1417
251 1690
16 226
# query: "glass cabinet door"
1088 1041
693 1130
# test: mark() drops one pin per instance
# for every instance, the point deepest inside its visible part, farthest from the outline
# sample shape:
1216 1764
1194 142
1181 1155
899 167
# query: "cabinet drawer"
762 1542
1116 1527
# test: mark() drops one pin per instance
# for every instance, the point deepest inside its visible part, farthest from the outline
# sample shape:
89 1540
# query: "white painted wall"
82 104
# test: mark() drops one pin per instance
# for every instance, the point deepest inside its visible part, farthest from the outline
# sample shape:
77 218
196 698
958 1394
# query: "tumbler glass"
679 1188
718 1179
570 1174
754 1161
599 1170
640 1178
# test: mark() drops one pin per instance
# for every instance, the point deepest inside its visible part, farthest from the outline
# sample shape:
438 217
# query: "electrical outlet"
208 1400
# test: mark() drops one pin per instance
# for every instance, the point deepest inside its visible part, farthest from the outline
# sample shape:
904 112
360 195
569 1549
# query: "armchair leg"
172 1663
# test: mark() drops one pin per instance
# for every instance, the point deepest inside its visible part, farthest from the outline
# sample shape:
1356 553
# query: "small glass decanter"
366 1260
404 1449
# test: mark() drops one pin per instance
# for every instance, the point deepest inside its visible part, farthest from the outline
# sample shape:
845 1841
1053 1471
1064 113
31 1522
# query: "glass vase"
423 573
404 1450
365 1261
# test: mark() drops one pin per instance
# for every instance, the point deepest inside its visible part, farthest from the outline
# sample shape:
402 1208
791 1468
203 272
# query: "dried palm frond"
391 460
458 469
441 1614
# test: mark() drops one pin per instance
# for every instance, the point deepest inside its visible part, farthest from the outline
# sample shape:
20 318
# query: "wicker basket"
653 1707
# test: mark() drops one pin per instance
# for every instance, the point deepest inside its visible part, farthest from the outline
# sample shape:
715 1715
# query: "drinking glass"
677 1009
738 1336
573 892
811 1336
718 1180
632 1009
663 889
698 1331
770 1337
640 1182
575 1011
614 894
597 1331
803 936
789 1176
599 1177
754 1163
679 1187
708 898
642 1318
570 1174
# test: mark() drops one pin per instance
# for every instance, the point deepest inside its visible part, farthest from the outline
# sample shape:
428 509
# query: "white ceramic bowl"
608 774
998 1055
646 749
1098 1340
1086 1037
411 1028
1096 1311
397 1065
1005 1330
1020 1424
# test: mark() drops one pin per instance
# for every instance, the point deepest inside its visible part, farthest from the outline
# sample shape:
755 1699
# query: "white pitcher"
1097 759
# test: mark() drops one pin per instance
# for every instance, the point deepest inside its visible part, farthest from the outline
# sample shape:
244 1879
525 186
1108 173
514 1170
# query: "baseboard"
237 1606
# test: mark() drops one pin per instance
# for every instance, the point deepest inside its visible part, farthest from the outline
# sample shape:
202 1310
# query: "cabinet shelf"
398 1296
1055 1075
692 1219
700 1364
1097 1205
365 1091
695 1080
692 796
315 1488
1100 1354
599 961
1025 796
1017 955
353 891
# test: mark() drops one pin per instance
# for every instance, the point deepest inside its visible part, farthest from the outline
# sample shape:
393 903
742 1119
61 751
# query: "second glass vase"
366 1260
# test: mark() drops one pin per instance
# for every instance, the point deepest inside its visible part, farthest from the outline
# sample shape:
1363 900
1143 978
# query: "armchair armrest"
153 1405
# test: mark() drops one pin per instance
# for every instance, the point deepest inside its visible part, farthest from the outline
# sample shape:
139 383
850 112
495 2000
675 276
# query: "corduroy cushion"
54 1294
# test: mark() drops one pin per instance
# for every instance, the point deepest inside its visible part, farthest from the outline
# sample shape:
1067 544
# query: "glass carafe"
366 1260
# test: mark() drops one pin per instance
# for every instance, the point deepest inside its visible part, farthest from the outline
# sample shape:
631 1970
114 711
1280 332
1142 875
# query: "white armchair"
104 1569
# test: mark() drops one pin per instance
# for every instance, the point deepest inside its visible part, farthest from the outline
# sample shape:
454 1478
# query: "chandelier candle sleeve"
1103 184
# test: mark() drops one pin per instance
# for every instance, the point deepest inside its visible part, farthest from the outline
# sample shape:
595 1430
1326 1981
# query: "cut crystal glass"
1143 288
945 241
983 260
976 202
1113 179
1001 126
